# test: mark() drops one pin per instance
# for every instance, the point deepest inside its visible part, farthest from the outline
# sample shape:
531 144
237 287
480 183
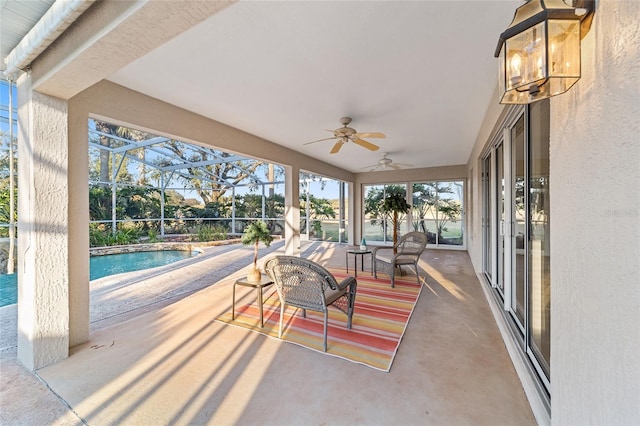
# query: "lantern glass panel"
564 48
502 74
525 57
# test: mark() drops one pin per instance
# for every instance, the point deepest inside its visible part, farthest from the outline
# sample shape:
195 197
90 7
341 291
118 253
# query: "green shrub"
316 227
152 233
211 233
219 232
100 236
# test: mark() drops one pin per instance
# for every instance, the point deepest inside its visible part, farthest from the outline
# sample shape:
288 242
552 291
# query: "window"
437 209
323 209
377 225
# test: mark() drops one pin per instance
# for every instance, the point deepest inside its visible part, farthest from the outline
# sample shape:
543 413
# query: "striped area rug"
380 318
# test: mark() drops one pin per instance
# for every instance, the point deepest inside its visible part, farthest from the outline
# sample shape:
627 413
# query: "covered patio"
536 293
169 362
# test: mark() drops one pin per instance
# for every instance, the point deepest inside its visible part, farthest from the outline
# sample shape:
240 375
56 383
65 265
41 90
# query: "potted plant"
254 233
395 203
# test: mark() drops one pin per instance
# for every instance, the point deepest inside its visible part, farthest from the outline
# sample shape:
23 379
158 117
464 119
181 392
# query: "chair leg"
415 265
392 273
281 318
326 320
351 302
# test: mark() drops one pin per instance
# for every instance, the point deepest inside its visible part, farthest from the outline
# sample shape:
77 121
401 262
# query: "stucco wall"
595 225
43 293
595 228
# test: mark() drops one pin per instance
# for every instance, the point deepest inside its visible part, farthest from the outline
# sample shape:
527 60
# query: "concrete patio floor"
156 356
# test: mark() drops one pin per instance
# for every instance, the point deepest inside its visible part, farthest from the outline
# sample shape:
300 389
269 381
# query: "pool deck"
156 356
119 297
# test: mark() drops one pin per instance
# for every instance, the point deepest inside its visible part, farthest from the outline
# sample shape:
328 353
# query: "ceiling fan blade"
366 144
370 135
336 147
372 166
319 140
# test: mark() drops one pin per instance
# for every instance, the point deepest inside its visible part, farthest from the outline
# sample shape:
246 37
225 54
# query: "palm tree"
395 203
254 233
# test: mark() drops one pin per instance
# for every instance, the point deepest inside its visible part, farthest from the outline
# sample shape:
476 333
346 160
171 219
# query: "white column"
43 213
292 211
78 232
354 216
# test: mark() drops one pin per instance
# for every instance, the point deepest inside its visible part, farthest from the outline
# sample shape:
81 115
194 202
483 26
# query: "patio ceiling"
18 17
422 72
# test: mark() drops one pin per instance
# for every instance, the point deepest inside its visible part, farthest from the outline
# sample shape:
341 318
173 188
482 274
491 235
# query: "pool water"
103 266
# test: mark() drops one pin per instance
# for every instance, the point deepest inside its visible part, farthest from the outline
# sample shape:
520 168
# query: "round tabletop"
358 251
265 280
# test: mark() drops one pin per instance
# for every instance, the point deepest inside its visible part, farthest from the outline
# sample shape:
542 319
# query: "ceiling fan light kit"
386 163
346 134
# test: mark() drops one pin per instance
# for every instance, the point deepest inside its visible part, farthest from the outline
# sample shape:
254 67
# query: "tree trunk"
255 256
395 231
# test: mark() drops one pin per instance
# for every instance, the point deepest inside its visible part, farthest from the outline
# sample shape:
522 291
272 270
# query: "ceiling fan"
347 134
386 163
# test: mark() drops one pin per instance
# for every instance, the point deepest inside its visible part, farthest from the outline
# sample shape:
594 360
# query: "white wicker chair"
406 251
307 285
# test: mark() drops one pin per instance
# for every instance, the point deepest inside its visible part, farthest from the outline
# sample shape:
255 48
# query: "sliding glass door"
487 218
500 230
494 216
539 264
516 231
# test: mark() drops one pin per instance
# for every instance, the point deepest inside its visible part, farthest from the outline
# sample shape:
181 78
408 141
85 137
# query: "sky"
4 106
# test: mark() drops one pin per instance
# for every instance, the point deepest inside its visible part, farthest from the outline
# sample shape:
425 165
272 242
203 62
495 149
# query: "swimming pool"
103 266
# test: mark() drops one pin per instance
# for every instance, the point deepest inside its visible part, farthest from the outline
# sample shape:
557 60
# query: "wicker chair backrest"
412 243
300 282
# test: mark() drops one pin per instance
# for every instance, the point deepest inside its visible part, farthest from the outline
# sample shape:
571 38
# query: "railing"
190 225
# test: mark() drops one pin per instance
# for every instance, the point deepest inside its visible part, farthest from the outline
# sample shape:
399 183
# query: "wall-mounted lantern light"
540 51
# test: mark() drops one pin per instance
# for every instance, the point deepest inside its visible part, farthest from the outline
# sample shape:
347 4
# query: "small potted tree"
254 233
395 203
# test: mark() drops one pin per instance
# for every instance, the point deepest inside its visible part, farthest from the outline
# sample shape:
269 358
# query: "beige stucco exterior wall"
595 228
595 225
43 256
78 234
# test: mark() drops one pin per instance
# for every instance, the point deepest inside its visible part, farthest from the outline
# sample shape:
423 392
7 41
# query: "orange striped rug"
380 318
